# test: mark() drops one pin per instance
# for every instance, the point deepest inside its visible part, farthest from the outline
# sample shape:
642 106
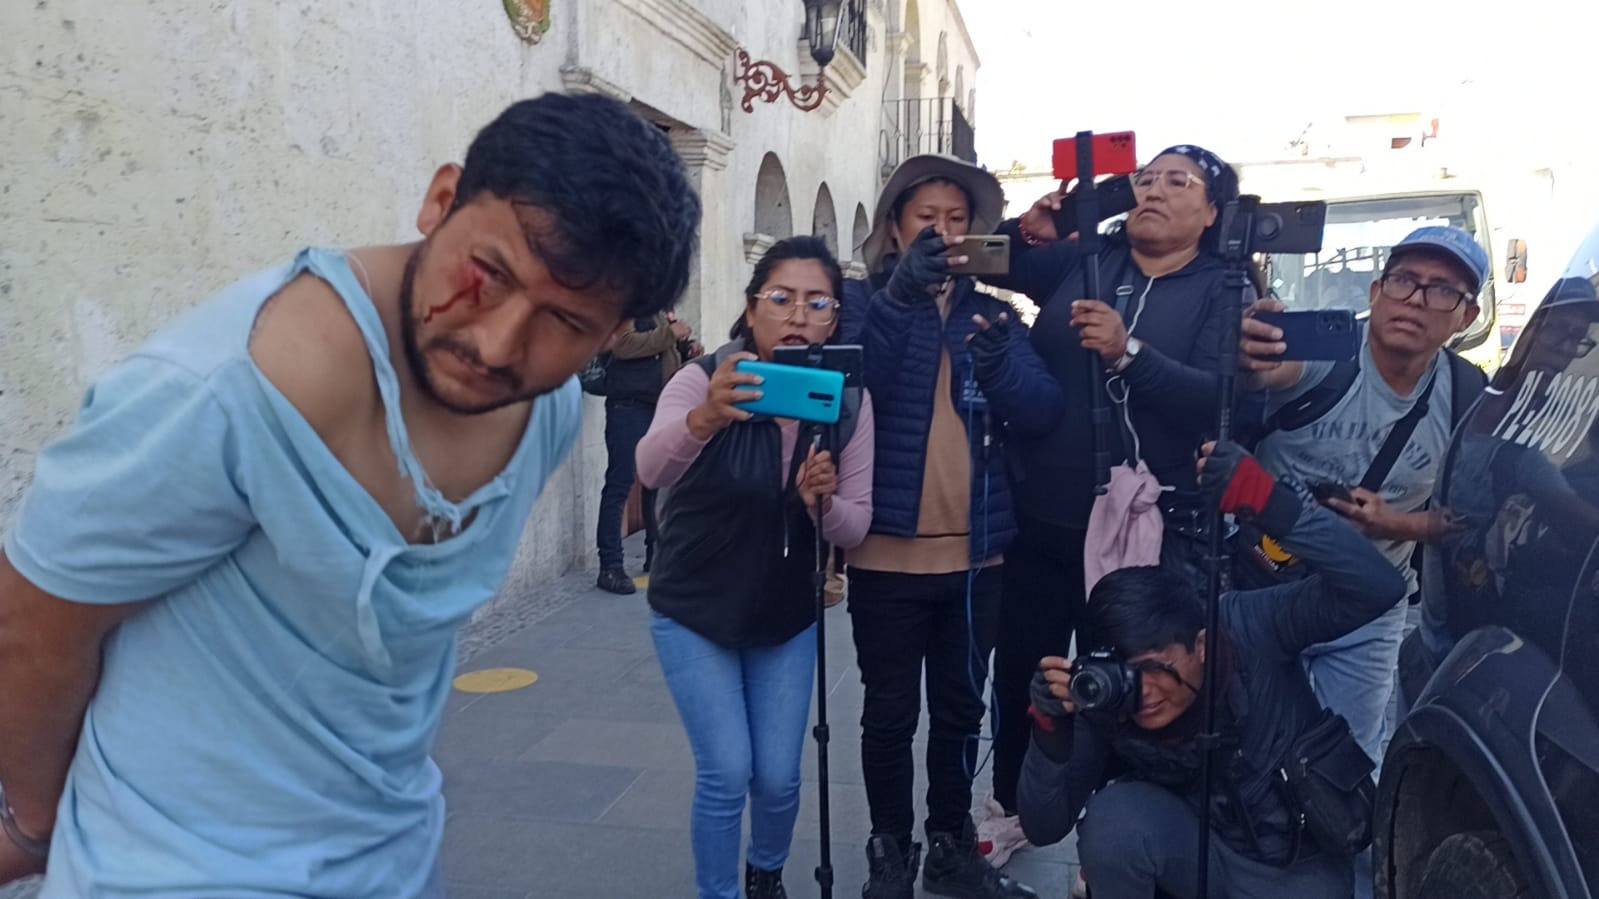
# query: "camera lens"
1090 689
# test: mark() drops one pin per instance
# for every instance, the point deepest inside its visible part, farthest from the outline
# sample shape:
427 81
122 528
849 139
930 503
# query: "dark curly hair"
789 248
624 214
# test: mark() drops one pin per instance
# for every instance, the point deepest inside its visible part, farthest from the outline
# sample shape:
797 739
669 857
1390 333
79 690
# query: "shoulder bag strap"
1397 438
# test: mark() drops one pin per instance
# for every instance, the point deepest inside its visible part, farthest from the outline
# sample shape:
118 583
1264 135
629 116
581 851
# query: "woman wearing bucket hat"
950 370
1156 334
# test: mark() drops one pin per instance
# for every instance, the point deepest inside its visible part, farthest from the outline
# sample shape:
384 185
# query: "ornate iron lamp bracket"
765 80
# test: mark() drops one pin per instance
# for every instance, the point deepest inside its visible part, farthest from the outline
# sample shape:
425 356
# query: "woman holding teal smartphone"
733 606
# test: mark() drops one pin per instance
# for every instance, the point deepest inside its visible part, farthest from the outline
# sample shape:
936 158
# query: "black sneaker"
956 868
615 580
891 870
760 884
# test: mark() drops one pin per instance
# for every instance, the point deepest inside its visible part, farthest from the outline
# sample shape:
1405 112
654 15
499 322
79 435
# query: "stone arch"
861 231
773 212
824 219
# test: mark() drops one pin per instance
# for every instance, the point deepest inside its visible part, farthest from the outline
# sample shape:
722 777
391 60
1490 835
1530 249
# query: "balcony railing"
913 127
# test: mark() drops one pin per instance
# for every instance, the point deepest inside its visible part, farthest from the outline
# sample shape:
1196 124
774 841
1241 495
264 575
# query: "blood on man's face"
486 323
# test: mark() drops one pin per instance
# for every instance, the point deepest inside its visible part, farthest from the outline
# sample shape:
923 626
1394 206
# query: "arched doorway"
773 212
824 220
861 231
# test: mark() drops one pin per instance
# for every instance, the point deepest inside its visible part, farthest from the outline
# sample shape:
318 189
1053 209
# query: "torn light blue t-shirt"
263 727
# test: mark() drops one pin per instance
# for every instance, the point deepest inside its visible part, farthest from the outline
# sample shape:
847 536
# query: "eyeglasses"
820 309
1174 179
1439 297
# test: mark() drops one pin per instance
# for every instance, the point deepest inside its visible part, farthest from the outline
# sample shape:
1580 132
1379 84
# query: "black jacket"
736 548
1267 705
1172 381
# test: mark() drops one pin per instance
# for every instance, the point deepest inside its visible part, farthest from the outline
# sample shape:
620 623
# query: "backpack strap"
1317 401
1466 384
1398 436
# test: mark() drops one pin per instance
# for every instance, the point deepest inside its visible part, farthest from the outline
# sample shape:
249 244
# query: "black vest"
736 551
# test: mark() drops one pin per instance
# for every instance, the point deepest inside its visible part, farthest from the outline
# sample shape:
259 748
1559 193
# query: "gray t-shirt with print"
1341 445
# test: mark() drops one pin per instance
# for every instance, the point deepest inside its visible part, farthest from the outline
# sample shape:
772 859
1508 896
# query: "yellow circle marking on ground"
495 680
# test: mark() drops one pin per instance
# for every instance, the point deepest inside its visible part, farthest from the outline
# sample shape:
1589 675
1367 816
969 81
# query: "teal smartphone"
806 394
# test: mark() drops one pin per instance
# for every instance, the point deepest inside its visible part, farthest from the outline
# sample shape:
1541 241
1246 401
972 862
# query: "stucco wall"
152 153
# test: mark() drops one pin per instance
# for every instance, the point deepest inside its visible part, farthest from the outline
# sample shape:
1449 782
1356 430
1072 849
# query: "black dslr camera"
1101 682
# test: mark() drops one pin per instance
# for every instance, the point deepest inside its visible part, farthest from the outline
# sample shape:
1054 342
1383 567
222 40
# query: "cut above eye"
494 274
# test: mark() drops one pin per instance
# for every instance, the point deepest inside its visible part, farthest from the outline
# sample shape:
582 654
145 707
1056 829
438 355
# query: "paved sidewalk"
579 786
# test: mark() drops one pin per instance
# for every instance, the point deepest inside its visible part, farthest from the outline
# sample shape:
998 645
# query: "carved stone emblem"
530 19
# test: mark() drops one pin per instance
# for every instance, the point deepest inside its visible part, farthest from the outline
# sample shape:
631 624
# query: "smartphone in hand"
1327 335
986 254
789 391
1325 490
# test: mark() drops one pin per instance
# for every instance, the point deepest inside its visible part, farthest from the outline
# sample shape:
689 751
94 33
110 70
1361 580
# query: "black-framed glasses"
1174 179
781 304
1438 296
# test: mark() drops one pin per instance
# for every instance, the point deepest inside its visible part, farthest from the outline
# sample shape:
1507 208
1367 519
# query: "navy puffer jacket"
1018 396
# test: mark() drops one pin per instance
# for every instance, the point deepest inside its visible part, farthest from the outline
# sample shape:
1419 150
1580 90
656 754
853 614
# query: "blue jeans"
746 712
1355 676
626 423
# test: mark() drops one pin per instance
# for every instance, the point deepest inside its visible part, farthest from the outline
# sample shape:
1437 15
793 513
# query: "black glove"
988 349
1052 724
919 268
1232 480
1047 703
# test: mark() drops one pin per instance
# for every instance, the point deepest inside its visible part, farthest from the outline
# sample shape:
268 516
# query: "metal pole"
1088 250
824 868
1236 240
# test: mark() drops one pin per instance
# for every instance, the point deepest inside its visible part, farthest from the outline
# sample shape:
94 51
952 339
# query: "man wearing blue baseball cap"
1366 437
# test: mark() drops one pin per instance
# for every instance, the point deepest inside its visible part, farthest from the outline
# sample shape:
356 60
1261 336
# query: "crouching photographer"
1117 731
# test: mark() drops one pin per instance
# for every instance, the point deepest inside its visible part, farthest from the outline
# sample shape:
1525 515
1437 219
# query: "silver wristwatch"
1133 346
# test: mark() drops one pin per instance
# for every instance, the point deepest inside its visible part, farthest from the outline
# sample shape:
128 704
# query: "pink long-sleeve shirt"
668 449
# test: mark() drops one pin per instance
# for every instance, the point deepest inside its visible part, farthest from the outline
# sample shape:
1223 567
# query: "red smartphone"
1114 154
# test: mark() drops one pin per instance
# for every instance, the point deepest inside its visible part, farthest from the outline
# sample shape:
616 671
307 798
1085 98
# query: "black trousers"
1042 601
906 625
626 422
